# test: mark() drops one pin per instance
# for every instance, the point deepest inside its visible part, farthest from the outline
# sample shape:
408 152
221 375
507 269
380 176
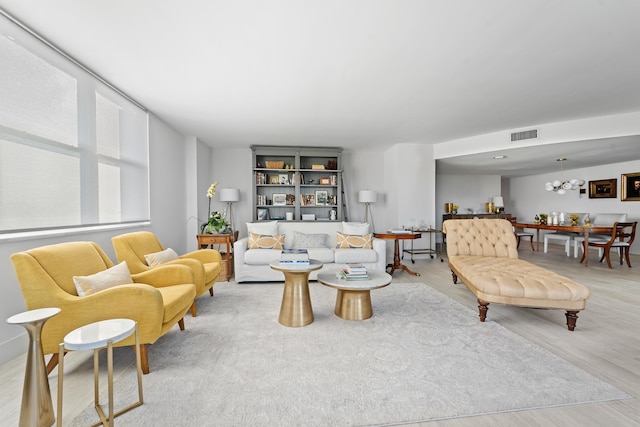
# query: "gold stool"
97 336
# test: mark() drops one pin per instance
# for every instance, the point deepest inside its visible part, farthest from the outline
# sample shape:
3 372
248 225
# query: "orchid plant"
217 222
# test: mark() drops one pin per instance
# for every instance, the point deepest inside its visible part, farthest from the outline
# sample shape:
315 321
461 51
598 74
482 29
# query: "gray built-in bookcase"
297 180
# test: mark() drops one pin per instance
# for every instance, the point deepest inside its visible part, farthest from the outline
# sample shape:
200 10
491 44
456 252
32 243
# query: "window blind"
73 149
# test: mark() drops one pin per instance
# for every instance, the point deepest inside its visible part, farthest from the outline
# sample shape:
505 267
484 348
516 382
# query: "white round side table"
96 336
37 408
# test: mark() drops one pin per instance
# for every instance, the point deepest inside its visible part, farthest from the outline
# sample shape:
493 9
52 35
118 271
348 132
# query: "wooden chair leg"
211 291
144 358
483 307
518 242
606 254
181 324
572 316
626 256
53 362
531 241
583 252
193 309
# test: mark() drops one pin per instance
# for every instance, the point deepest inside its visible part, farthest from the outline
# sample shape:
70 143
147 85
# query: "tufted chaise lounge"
483 254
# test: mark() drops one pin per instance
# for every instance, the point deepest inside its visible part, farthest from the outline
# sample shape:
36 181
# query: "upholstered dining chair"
139 247
156 300
521 234
621 238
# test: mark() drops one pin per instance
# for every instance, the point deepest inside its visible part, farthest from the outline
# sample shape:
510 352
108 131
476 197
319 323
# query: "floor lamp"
367 197
229 195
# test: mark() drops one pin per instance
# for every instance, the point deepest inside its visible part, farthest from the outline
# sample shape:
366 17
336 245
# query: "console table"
208 240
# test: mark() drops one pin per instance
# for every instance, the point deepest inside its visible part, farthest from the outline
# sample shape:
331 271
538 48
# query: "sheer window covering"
73 151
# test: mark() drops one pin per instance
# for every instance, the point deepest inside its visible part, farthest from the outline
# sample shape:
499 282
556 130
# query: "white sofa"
252 265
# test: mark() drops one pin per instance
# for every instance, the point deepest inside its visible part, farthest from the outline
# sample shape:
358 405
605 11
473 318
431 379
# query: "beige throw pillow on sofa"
351 241
265 241
114 276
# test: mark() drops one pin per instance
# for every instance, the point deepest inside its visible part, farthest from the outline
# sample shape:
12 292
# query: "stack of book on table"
294 257
354 271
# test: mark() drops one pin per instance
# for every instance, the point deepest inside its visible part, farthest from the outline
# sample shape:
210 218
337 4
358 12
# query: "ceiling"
361 74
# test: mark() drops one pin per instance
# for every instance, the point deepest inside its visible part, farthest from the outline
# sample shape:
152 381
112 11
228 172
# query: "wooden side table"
208 240
408 235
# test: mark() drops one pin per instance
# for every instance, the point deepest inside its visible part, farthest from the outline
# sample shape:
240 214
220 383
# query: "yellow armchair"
206 264
157 300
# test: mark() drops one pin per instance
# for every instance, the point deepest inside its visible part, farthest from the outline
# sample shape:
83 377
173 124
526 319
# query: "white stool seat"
566 238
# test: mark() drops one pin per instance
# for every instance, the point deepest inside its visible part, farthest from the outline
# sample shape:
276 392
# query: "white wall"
168 220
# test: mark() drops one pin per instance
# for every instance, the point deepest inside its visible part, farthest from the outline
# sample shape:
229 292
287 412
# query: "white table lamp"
367 197
498 203
229 195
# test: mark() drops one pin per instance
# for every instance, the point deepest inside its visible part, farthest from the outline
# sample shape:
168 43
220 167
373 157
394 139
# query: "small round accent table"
96 336
353 301
396 237
37 407
296 309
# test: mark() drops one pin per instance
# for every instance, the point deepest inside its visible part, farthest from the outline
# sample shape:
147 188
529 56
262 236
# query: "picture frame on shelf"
263 214
325 181
283 179
322 197
279 199
274 179
603 189
630 187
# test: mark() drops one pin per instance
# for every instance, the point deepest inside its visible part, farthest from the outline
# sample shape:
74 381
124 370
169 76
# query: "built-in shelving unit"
304 182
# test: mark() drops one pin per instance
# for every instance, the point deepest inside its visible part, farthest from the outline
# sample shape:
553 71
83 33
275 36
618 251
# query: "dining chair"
621 238
598 219
520 234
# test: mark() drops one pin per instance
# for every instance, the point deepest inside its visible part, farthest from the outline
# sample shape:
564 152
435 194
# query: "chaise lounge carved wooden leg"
483 307
572 316
454 277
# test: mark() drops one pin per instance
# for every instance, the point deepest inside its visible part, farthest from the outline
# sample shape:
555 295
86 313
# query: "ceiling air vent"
525 134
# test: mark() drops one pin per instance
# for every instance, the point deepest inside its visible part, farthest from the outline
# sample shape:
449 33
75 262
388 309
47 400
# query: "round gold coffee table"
353 301
296 309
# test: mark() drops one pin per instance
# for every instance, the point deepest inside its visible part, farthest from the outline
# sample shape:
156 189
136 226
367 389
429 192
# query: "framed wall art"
321 197
263 214
630 187
279 199
603 189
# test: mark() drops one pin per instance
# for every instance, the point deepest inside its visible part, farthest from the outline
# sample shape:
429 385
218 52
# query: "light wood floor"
606 343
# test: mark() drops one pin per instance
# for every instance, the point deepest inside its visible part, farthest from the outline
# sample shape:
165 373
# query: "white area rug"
422 356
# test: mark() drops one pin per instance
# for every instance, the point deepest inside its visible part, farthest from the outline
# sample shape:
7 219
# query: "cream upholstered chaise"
154 301
483 254
206 264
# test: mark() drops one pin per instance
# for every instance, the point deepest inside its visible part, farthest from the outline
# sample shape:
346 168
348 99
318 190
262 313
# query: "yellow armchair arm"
204 255
139 302
165 275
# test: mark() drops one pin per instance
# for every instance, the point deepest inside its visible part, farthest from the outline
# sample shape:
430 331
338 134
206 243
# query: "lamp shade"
229 194
367 196
498 202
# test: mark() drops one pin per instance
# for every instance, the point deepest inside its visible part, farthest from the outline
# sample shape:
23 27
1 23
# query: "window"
73 150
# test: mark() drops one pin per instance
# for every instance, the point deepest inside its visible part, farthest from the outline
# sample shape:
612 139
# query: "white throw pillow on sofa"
114 276
355 228
269 227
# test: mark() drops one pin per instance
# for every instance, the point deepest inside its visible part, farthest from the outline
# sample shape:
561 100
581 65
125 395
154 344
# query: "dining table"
585 230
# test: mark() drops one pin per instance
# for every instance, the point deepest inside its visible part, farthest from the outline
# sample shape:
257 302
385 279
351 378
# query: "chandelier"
561 186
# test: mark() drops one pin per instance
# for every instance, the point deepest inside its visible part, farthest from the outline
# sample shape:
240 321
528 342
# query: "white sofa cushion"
261 256
270 227
324 255
355 228
355 255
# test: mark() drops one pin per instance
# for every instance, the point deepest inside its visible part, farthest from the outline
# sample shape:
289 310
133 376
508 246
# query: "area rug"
421 357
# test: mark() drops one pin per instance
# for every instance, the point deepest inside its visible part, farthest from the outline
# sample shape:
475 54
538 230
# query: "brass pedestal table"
353 301
96 336
296 309
37 407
